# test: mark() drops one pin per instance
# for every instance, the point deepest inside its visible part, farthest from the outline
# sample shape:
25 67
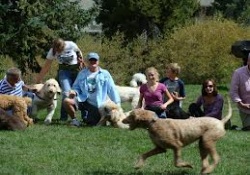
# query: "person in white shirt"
69 58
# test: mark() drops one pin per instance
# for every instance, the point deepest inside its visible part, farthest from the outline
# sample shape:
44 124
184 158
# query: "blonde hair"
174 67
58 45
154 70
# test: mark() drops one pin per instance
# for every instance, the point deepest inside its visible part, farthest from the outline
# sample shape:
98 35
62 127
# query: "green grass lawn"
61 149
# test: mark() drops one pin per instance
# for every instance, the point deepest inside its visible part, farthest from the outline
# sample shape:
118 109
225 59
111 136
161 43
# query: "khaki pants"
245 119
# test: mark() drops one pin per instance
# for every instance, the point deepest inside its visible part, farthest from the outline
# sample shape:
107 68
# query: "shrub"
203 50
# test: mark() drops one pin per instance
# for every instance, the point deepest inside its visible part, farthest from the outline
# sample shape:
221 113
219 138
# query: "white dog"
45 98
138 79
132 94
111 112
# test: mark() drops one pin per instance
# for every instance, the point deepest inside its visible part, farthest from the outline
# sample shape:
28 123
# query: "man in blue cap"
90 90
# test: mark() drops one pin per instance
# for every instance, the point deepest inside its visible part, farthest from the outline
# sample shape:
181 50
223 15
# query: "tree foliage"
151 16
238 10
28 26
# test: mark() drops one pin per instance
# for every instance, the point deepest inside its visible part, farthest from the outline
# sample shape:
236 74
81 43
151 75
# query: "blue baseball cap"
93 55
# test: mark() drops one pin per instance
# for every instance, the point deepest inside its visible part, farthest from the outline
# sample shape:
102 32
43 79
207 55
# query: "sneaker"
75 122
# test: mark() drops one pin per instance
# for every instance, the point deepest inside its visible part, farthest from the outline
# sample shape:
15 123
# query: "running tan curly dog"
175 134
8 122
18 105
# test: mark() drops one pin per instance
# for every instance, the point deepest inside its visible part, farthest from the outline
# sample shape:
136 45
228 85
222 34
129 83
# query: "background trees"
238 10
137 34
27 27
151 16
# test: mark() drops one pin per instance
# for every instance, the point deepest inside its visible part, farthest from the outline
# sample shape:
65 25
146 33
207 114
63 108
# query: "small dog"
18 105
45 98
8 122
111 112
175 134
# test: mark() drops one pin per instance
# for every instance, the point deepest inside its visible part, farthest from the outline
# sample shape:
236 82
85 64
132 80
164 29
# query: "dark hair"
204 86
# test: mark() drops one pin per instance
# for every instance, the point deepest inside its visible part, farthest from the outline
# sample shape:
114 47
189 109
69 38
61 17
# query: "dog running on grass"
175 134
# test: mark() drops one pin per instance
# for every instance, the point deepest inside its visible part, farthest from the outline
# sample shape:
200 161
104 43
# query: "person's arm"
112 91
169 101
217 108
181 95
234 91
139 104
199 101
44 70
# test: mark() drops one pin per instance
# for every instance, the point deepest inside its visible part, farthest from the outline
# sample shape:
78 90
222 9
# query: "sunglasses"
93 59
210 86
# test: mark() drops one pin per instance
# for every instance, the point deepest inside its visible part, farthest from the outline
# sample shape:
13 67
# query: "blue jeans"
66 79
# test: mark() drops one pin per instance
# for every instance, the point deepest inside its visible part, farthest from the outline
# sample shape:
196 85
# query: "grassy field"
61 149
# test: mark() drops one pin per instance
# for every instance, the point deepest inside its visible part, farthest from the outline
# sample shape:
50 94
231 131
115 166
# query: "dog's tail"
229 113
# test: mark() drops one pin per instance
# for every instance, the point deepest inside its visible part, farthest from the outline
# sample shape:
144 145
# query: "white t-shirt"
67 56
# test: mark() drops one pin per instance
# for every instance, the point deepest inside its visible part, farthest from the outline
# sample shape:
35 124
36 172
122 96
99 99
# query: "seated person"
12 84
90 90
174 84
153 92
210 101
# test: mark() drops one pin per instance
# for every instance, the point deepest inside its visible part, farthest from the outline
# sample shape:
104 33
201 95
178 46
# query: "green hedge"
201 49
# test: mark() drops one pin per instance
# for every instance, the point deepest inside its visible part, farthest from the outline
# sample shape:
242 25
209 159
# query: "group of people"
86 86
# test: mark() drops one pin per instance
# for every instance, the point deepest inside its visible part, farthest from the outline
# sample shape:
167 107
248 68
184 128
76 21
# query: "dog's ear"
145 115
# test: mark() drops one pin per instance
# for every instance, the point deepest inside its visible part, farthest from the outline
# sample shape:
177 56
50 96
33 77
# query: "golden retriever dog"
18 105
176 133
9 122
45 98
111 112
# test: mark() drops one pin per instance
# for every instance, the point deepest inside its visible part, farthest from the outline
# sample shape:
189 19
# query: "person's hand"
247 106
244 105
163 106
175 95
72 94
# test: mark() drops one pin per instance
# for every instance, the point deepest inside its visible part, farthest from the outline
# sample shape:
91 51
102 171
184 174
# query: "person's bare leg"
69 105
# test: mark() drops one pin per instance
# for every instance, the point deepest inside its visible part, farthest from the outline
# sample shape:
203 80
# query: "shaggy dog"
175 134
129 94
138 79
8 122
45 98
18 105
111 112
132 94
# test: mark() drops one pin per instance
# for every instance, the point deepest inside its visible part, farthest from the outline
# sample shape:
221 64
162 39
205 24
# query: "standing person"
153 92
240 93
210 100
174 84
90 90
69 57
